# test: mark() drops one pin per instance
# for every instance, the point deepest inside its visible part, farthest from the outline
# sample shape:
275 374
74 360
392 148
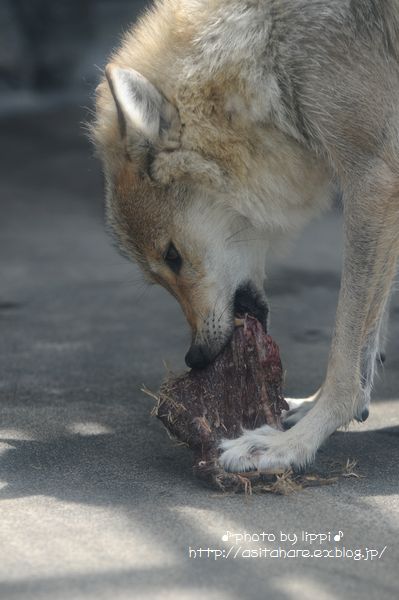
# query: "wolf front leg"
370 258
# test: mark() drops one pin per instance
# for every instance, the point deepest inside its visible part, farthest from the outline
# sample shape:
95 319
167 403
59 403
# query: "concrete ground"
95 501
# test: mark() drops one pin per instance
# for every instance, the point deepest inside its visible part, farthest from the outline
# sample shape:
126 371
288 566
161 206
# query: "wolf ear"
145 117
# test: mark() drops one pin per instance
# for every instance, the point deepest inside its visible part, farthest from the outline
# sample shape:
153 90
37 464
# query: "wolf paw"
264 449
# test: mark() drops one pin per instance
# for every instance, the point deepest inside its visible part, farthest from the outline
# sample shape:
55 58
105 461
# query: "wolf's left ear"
146 117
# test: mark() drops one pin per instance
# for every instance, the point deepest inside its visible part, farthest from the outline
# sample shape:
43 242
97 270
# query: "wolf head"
169 209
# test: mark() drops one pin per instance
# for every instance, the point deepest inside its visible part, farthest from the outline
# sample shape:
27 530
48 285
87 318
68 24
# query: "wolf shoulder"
337 67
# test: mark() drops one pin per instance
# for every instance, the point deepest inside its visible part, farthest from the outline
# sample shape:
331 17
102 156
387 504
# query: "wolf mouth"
248 301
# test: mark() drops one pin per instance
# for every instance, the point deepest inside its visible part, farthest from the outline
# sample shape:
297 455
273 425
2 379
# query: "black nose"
197 357
365 415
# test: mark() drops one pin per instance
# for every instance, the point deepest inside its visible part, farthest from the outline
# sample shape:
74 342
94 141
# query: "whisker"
237 232
143 292
260 239
138 281
223 311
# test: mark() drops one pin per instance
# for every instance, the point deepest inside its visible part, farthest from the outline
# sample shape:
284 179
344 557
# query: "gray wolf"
226 120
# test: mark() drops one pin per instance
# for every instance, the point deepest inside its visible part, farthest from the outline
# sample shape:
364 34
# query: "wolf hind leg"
373 355
298 408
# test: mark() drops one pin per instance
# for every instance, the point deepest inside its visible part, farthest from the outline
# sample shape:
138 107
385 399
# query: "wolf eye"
173 258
